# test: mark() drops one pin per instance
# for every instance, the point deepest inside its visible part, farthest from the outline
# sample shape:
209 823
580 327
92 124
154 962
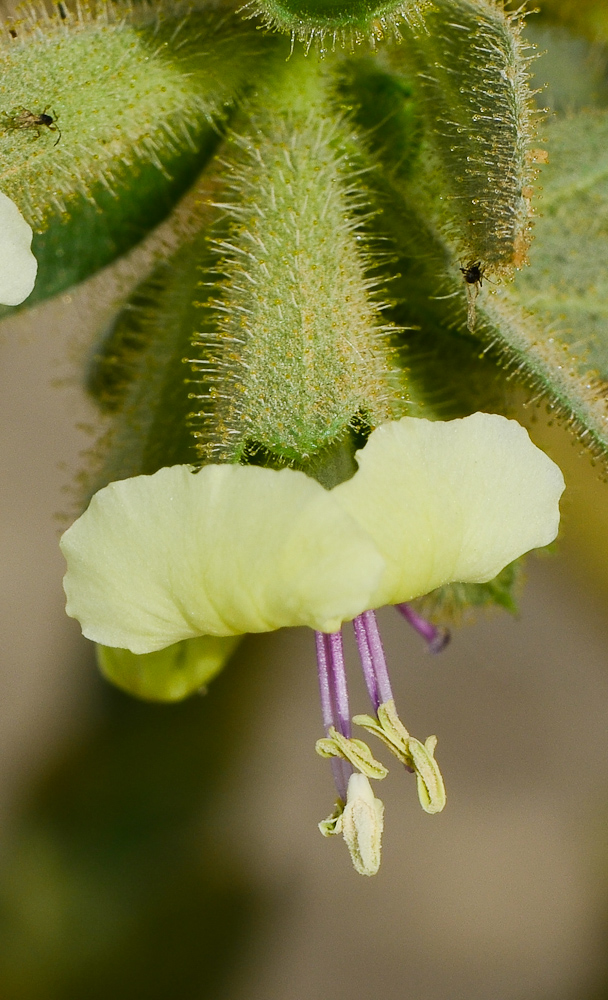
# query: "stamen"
327 709
378 659
334 699
436 637
340 689
366 662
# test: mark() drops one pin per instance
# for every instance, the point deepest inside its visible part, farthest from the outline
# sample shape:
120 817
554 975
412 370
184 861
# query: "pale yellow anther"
362 825
360 821
429 782
417 756
332 826
355 751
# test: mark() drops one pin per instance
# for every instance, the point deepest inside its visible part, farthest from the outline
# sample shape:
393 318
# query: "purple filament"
376 649
340 690
334 699
327 708
366 661
436 638
372 657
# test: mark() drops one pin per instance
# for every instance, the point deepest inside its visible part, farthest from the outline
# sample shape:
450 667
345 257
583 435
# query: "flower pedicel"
186 554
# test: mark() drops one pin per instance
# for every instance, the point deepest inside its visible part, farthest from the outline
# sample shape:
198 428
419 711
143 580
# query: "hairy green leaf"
135 104
549 327
339 22
566 288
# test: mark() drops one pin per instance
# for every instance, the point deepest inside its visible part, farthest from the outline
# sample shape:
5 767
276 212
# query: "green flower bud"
471 74
169 674
343 21
300 352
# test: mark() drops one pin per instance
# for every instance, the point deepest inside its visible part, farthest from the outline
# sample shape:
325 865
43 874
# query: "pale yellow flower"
173 566
234 549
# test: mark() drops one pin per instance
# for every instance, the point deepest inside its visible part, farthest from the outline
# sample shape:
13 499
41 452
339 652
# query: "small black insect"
473 273
20 118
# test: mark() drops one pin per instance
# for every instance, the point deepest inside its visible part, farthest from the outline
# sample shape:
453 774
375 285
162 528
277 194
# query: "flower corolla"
233 549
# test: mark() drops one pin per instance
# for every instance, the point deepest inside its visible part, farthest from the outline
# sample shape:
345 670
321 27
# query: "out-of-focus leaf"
570 72
566 287
590 17
137 374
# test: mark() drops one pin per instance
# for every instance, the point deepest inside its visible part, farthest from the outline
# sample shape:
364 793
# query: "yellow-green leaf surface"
567 285
119 92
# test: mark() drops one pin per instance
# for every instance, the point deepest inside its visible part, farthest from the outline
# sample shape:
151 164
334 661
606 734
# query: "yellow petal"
169 674
18 265
232 549
451 501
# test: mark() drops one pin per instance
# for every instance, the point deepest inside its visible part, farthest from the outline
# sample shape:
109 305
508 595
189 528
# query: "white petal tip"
18 266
